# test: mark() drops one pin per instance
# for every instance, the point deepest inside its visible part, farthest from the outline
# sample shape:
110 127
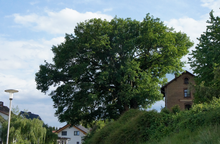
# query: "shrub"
138 126
175 109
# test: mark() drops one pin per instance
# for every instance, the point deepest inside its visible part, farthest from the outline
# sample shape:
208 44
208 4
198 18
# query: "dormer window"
186 81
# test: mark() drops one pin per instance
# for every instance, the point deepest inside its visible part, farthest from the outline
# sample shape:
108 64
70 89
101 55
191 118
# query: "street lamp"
10 91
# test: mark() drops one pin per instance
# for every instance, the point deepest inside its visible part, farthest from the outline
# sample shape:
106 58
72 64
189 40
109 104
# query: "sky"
29 29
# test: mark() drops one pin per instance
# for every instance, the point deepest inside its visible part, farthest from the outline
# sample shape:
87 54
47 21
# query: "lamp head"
11 91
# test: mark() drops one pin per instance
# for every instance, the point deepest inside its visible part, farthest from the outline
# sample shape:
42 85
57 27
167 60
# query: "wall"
174 92
70 134
6 118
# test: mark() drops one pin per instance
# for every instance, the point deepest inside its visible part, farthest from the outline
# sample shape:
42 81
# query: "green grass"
200 125
204 135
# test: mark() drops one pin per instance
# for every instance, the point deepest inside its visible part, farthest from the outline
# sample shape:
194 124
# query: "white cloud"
20 60
34 2
19 54
42 107
26 87
60 22
158 105
193 28
212 5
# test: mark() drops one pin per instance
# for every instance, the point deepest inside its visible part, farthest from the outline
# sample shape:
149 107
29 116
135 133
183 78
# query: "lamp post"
10 91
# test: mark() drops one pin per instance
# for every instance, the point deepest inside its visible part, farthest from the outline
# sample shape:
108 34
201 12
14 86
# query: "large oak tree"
108 67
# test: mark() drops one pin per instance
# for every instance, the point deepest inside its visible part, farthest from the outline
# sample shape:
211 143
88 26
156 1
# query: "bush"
175 109
137 126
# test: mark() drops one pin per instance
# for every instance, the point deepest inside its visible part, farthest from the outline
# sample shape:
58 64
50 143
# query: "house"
178 92
71 134
30 115
4 112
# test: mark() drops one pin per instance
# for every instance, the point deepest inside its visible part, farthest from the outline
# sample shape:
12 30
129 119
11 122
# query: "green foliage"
97 126
205 62
25 131
202 135
165 110
137 126
108 67
134 126
175 109
50 138
206 55
111 130
207 93
2 120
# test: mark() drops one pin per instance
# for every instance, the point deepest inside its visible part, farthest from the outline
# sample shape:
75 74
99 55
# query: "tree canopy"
204 58
205 62
51 137
108 67
24 131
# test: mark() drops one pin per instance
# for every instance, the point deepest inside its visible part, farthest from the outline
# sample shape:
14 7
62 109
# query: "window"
64 133
76 133
187 106
186 93
186 81
77 142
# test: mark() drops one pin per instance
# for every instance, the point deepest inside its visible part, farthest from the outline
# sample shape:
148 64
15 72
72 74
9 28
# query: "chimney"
1 104
176 75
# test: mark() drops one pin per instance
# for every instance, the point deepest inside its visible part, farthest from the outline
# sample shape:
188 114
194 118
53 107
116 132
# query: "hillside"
202 135
198 125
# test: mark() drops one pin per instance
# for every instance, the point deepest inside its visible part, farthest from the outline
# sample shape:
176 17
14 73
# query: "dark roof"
162 88
4 113
4 109
30 115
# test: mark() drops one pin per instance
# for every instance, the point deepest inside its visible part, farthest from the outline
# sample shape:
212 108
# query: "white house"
71 134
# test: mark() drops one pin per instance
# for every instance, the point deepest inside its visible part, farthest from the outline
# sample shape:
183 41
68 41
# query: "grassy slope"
199 125
203 135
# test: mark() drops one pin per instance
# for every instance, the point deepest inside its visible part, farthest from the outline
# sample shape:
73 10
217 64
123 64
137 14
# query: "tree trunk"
133 104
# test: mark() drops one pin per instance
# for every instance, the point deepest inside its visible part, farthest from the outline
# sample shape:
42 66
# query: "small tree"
51 138
206 55
205 62
24 131
207 93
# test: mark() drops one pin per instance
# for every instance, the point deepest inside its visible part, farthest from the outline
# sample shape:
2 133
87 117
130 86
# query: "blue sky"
28 29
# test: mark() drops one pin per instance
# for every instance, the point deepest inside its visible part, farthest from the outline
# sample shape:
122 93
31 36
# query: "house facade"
4 111
71 134
178 91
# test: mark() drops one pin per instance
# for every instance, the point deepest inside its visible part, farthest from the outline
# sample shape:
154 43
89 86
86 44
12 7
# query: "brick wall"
174 91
